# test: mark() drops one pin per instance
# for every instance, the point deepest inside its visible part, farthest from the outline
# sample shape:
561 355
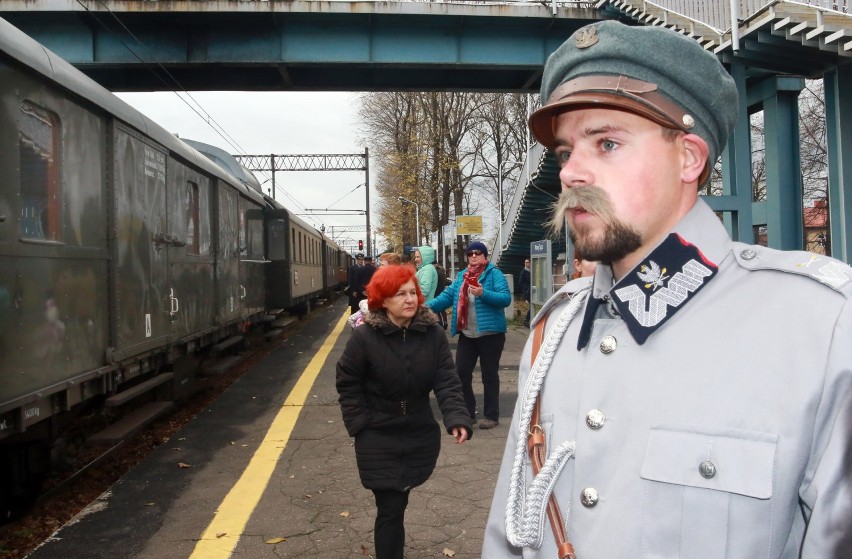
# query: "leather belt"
397 407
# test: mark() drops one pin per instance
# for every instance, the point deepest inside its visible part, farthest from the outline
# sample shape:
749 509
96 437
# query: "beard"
618 239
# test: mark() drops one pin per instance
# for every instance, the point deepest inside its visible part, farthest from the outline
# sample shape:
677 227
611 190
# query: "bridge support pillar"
784 214
736 170
838 121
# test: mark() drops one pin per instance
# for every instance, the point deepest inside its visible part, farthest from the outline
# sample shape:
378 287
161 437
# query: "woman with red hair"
390 365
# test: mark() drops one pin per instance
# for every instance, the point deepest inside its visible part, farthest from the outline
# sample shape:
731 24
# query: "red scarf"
471 277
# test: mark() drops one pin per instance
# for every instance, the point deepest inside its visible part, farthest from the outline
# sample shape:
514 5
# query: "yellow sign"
469 224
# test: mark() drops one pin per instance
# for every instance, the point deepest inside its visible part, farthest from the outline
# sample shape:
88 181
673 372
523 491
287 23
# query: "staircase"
814 25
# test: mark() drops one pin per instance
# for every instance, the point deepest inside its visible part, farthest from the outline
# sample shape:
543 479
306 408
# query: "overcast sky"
284 123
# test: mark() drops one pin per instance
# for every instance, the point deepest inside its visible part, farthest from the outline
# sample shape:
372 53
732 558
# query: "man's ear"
695 152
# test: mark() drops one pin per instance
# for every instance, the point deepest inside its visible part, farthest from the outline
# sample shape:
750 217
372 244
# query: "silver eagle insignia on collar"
653 276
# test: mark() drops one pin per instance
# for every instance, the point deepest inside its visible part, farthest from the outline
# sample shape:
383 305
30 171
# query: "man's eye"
608 145
563 156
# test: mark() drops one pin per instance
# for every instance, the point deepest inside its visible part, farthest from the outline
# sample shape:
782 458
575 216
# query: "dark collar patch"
656 289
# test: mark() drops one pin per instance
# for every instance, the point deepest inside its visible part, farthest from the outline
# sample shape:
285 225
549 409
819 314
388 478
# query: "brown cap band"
614 91
619 92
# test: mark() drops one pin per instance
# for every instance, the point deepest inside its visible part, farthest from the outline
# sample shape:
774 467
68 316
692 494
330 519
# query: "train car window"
243 245
293 242
254 233
39 135
192 231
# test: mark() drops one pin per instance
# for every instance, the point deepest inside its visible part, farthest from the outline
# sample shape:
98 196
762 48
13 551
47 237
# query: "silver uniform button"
707 469
589 497
748 254
608 344
595 419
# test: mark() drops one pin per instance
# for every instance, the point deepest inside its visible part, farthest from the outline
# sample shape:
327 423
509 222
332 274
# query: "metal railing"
717 13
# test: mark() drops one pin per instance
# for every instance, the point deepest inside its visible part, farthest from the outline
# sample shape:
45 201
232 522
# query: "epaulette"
824 269
565 293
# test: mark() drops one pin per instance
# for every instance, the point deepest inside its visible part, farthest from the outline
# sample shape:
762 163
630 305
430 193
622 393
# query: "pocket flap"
734 461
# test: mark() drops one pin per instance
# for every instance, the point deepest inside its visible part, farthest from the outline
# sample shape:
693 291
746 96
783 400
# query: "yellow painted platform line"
221 536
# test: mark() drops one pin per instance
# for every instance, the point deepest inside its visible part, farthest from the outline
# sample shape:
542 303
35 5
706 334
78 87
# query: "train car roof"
227 161
22 48
276 205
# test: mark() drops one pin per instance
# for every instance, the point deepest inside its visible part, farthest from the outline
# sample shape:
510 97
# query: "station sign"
469 224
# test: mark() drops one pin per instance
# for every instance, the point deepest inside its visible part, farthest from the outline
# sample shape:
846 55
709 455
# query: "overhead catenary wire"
206 117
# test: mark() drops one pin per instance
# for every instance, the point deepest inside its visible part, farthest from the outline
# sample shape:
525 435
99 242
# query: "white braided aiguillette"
526 509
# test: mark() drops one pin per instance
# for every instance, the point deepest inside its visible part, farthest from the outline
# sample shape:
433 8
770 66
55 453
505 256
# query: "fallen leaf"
183 465
344 514
363 550
149 504
449 552
292 476
221 534
308 496
276 540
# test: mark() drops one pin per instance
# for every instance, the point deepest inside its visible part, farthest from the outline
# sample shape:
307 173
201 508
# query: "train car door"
229 240
143 303
191 274
278 247
252 260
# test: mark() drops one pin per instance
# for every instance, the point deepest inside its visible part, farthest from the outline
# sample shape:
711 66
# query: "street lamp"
500 202
416 215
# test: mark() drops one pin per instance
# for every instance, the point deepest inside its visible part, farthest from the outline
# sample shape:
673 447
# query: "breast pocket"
708 491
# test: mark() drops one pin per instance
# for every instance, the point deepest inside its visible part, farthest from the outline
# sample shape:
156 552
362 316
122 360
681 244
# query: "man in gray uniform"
696 398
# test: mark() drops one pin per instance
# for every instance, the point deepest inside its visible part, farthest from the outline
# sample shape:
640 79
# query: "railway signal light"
360 245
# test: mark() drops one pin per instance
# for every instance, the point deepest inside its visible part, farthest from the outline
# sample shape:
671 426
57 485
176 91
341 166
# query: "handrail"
717 14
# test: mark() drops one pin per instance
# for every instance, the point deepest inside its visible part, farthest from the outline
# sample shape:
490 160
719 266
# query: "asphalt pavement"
311 504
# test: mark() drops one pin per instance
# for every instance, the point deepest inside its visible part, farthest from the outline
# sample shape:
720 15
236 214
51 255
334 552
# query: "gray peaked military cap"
651 71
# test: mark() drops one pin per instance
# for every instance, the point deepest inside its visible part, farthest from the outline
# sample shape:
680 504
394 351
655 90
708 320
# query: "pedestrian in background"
427 276
583 267
384 378
389 258
525 288
355 289
694 399
442 284
478 298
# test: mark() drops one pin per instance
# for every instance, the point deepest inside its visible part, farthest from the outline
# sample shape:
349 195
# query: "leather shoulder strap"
536 445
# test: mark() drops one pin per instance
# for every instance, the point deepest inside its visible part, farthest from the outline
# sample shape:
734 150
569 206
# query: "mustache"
591 198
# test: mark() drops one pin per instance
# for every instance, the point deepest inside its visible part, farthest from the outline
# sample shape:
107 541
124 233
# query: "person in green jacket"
427 275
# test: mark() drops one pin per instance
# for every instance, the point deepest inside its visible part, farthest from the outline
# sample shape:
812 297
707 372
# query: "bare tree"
814 160
440 150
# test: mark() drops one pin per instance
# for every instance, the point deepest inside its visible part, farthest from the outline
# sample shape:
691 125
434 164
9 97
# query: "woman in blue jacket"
478 297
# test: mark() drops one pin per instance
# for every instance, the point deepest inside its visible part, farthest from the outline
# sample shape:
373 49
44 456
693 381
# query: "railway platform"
268 471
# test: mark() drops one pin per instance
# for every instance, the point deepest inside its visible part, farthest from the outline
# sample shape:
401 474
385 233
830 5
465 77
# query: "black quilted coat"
384 379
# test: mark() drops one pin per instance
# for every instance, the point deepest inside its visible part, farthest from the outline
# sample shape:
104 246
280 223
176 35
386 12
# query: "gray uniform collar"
699 226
